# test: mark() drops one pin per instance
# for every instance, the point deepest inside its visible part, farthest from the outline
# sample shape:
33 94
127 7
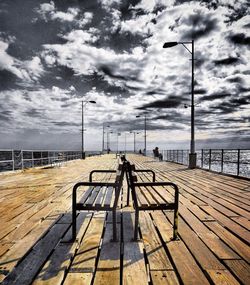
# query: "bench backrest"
131 176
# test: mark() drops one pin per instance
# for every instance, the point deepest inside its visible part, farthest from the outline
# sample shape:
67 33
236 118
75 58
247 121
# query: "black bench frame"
131 180
117 185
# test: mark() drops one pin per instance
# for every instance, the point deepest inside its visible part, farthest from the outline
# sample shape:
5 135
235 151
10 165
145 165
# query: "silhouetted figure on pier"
157 153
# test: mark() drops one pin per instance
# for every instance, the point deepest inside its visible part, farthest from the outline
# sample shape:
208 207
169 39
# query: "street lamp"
108 140
145 132
118 134
135 133
192 154
84 103
103 132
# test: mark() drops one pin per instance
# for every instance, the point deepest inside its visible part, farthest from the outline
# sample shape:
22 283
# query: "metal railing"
228 161
11 159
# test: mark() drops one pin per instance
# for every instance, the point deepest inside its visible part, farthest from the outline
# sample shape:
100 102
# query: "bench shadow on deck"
213 246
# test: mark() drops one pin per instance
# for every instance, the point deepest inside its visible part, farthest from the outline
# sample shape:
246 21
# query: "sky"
55 54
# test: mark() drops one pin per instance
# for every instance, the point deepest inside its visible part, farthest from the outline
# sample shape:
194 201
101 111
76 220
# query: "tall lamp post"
84 103
103 132
145 132
118 134
192 154
135 133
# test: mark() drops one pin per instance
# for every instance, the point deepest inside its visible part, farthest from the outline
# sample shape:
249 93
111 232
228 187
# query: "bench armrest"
99 171
146 170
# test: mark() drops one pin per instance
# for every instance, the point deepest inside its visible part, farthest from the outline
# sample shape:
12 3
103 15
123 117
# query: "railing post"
209 162
13 163
22 158
32 158
222 159
238 163
202 154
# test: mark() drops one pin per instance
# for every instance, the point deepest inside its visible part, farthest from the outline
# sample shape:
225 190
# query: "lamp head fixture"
170 44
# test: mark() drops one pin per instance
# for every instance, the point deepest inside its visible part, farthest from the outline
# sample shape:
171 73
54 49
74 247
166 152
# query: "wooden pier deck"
35 207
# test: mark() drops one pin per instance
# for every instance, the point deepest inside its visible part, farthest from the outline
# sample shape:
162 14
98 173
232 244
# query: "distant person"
140 151
157 153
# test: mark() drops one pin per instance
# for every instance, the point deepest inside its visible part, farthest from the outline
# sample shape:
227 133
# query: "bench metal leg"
136 225
175 227
127 189
114 225
74 216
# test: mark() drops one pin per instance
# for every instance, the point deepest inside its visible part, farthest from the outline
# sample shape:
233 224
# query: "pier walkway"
35 229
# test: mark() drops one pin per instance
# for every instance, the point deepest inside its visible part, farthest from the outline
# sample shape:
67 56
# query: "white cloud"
80 37
87 18
140 25
34 67
69 16
49 11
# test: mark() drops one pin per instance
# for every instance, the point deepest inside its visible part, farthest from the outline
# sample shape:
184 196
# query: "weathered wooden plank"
200 251
134 268
235 243
141 198
229 223
166 277
240 268
157 257
160 268
222 277
243 221
208 237
108 268
146 193
83 266
34 260
53 271
19 249
186 265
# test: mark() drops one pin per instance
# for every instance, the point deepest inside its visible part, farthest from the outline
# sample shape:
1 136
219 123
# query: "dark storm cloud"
7 80
200 26
240 39
166 103
215 96
172 116
29 34
200 91
66 124
235 79
238 102
35 113
227 61
156 91
5 116
108 70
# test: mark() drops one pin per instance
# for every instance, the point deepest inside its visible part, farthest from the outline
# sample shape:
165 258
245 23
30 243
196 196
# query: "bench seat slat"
100 197
92 197
86 195
108 198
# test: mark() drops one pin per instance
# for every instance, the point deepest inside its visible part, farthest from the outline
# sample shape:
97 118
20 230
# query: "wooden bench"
100 196
148 196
